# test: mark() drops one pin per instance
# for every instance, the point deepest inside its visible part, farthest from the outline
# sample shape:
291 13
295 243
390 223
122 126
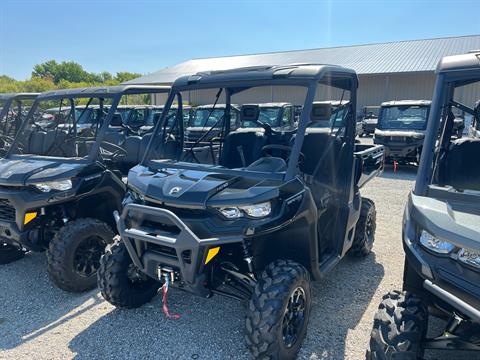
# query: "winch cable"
165 309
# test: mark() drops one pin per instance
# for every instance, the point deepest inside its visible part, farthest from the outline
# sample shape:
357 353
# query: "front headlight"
255 211
418 136
60 185
469 257
434 244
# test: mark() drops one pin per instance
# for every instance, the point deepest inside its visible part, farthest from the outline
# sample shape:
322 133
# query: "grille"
7 211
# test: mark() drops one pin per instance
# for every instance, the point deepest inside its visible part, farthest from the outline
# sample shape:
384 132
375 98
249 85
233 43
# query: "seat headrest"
116 120
249 112
321 112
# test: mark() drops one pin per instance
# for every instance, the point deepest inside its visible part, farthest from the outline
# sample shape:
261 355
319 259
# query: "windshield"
240 150
404 117
371 112
205 117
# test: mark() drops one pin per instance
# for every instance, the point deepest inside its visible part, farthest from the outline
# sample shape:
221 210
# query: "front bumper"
170 244
400 150
14 204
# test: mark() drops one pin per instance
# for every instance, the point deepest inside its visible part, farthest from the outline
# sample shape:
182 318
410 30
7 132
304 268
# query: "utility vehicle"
153 118
277 115
458 124
276 209
58 188
441 234
205 123
369 119
13 108
475 124
401 129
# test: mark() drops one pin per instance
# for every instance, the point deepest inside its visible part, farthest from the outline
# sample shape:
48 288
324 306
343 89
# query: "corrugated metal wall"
373 90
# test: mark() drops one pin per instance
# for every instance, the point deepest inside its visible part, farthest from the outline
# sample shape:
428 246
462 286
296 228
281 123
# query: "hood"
199 189
452 221
23 172
420 134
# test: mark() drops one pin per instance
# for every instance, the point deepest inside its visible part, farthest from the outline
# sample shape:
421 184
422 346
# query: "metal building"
387 71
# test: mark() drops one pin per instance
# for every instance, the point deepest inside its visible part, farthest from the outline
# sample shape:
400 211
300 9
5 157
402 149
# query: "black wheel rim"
87 256
294 317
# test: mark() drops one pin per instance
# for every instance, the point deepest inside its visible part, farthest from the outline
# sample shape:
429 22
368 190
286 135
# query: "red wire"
165 306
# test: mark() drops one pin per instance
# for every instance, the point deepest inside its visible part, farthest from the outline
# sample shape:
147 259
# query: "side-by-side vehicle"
401 129
369 120
13 109
270 211
441 234
59 187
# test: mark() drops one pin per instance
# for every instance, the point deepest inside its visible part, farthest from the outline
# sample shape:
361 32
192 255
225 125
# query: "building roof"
382 58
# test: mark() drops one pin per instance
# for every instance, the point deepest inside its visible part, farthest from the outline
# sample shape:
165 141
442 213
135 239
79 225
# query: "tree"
46 70
66 70
123 76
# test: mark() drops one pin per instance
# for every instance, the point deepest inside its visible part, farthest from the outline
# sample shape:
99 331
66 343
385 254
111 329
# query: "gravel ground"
39 321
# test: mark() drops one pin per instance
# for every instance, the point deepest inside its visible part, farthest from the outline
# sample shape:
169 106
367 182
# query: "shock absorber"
247 254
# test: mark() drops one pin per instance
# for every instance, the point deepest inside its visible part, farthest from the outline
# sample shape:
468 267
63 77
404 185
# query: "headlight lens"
432 243
231 212
256 211
469 257
60 185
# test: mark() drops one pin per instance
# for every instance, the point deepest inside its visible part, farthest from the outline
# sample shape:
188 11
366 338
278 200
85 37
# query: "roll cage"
452 72
234 81
111 93
13 101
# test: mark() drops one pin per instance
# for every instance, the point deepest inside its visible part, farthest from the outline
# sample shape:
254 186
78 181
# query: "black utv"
274 210
279 116
475 124
59 188
401 129
441 235
205 122
369 119
13 110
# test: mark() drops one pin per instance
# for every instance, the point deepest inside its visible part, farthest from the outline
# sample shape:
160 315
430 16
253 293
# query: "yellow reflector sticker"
211 254
29 217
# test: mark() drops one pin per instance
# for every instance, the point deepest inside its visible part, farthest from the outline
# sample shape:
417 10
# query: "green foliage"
123 76
67 74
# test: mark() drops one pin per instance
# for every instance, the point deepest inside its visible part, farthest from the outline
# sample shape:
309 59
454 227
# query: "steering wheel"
267 151
111 150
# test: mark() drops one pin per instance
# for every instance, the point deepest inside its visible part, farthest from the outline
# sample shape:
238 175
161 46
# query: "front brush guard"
182 241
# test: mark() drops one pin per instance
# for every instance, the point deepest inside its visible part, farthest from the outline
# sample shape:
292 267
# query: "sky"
144 36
